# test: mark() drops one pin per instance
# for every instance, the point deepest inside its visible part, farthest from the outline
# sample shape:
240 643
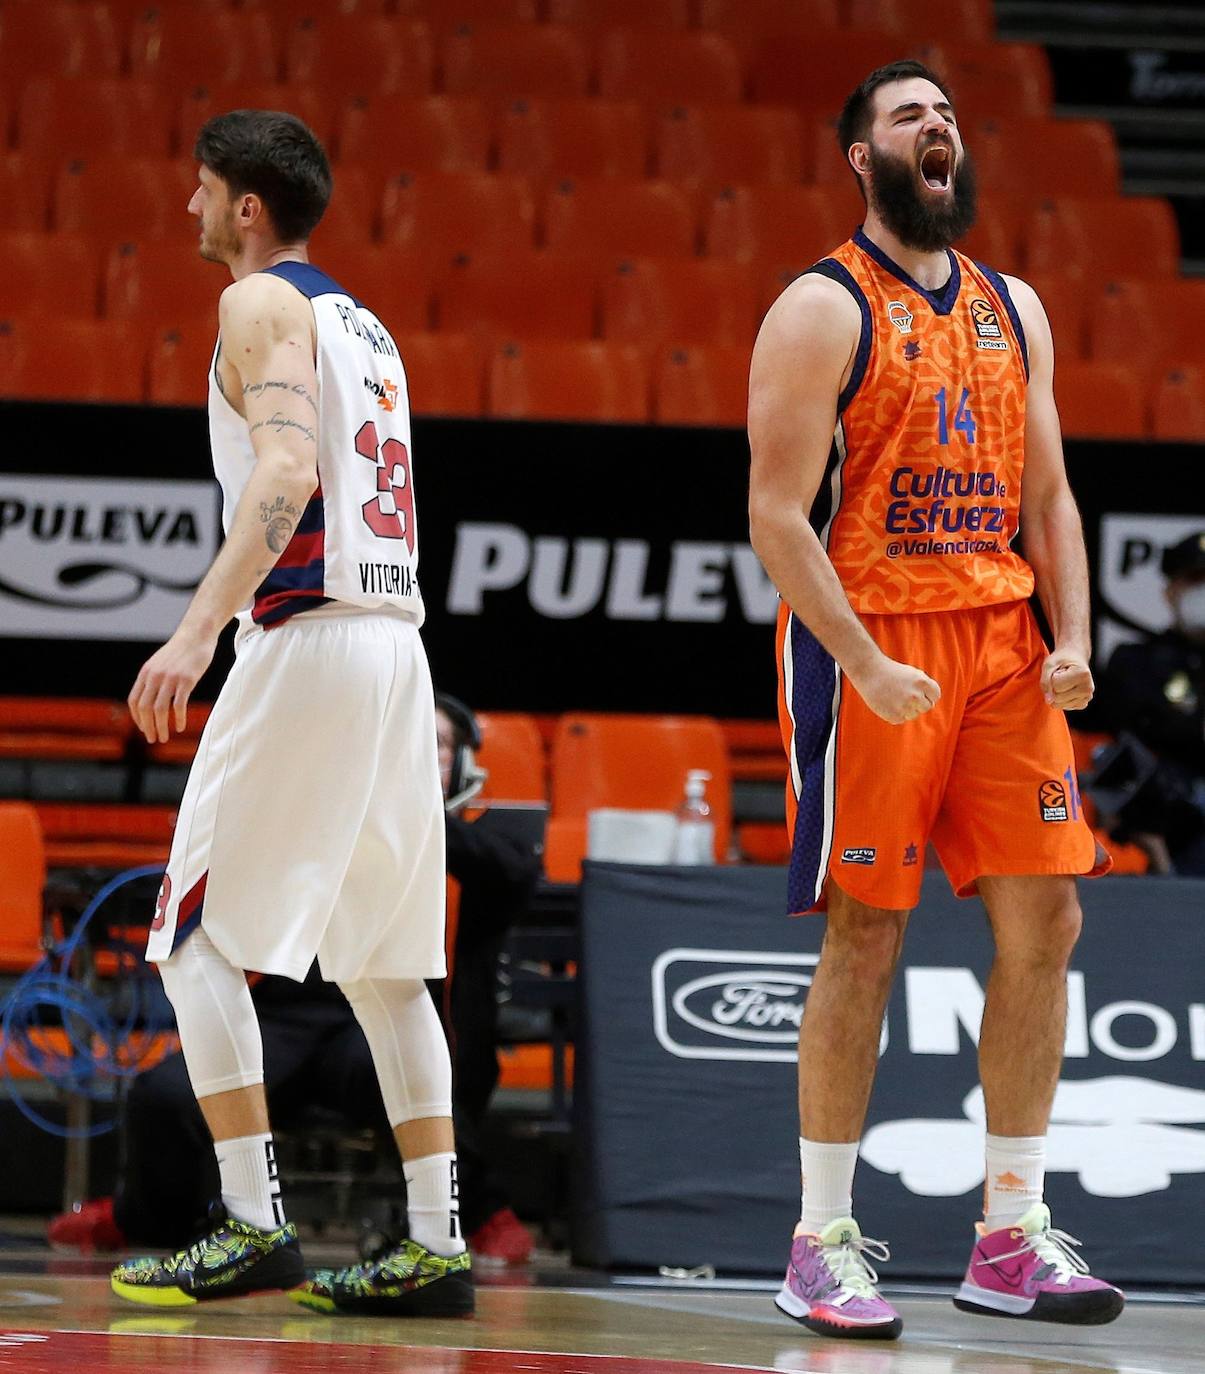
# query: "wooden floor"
59 1315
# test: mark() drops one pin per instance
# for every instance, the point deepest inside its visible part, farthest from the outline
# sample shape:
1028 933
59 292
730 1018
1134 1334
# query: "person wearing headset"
315 1052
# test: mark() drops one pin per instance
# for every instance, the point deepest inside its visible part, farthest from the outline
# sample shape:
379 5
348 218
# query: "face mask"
1190 611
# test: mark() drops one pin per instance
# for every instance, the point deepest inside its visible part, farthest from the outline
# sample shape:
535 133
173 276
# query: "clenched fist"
897 692
1066 682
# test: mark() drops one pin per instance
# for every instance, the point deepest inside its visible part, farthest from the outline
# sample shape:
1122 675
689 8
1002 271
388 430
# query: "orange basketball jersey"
920 503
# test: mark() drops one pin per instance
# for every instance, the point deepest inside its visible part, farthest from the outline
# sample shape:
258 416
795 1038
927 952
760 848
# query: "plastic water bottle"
694 842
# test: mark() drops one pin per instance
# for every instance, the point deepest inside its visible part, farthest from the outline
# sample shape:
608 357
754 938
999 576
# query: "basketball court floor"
58 1314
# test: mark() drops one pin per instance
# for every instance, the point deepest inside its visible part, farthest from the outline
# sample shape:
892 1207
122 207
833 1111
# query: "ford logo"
764 1006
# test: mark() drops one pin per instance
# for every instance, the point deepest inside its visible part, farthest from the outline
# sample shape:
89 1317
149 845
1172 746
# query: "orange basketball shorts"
987 775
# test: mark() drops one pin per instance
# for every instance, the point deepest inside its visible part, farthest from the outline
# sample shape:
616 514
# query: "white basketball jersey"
357 541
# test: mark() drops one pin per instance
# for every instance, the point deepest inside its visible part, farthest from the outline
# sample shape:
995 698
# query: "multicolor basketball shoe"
402 1281
1030 1270
234 1259
830 1285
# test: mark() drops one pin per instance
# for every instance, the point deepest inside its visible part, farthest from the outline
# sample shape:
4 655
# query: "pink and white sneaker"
1030 1270
830 1286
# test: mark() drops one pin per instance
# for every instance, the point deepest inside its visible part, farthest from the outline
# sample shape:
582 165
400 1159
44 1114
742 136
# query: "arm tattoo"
281 422
280 518
257 388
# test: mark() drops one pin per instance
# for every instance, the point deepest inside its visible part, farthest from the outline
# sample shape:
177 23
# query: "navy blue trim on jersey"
942 301
813 683
834 271
311 281
1001 290
822 506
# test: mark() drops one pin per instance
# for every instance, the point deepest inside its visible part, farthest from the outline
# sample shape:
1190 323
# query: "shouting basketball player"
312 824
902 424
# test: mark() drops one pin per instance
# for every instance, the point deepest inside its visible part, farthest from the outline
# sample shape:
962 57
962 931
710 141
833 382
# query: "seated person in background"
1152 696
315 1052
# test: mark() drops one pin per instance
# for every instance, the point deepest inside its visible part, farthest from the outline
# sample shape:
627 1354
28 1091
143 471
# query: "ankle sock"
433 1203
827 1175
250 1187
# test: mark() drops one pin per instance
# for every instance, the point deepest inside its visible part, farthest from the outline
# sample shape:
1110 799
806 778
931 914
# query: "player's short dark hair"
853 124
272 155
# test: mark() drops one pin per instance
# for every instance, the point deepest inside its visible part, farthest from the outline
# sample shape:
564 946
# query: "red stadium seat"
816 70
397 284
52 39
537 60
698 145
668 69
167 284
48 274
746 22
398 133
954 21
287 13
573 138
512 754
353 215
315 105
779 226
1103 237
447 12
190 45
612 218
79 360
998 80
702 386
363 56
119 198
1177 405
520 296
178 365
998 235
61 117
672 301
459 212
569 381
24 192
1046 157
1100 400
22 879
1066 309
610 14
445 373
1147 321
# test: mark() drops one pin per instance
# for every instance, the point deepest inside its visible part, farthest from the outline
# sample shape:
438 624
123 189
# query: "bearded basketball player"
902 426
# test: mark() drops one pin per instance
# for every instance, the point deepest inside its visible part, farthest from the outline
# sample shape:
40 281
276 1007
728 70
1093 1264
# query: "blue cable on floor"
98 1036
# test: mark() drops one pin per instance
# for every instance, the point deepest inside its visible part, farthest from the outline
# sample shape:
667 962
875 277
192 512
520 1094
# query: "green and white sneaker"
234 1259
401 1281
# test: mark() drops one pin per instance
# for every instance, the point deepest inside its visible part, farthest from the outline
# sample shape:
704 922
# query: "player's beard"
219 242
922 225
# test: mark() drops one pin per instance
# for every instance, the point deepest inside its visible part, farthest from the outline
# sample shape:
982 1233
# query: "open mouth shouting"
937 166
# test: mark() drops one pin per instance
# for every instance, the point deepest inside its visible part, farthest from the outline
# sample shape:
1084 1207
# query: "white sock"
827 1175
250 1188
433 1203
1016 1168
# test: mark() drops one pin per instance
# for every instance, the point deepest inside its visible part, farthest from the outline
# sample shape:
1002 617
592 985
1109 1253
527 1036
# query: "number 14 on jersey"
964 421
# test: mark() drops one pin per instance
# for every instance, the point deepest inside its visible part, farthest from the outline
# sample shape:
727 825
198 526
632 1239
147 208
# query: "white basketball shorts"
312 823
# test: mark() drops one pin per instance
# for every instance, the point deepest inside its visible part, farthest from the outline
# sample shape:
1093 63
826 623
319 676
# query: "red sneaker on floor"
503 1239
88 1226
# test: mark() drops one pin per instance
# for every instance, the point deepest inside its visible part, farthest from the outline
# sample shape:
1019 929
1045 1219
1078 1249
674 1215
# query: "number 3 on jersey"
964 421
390 514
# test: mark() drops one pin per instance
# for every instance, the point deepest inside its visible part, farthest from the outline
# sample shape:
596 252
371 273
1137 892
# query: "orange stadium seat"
60 117
666 69
778 226
363 56
353 215
573 138
183 745
63 728
520 296
79 360
609 217
1066 309
105 836
500 60
57 40
1046 157
435 133
969 21
718 144
445 373
747 21
1100 400
178 365
196 45
816 70
702 386
49 274
998 80
316 105
446 12
610 14
162 283
22 880
512 753
460 212
569 381
998 235
1148 321
120 198
1177 405
24 192
636 762
1103 237
671 301
290 12
396 284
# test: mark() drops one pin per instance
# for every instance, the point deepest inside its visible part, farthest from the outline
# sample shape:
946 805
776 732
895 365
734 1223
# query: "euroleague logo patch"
1052 800
987 325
